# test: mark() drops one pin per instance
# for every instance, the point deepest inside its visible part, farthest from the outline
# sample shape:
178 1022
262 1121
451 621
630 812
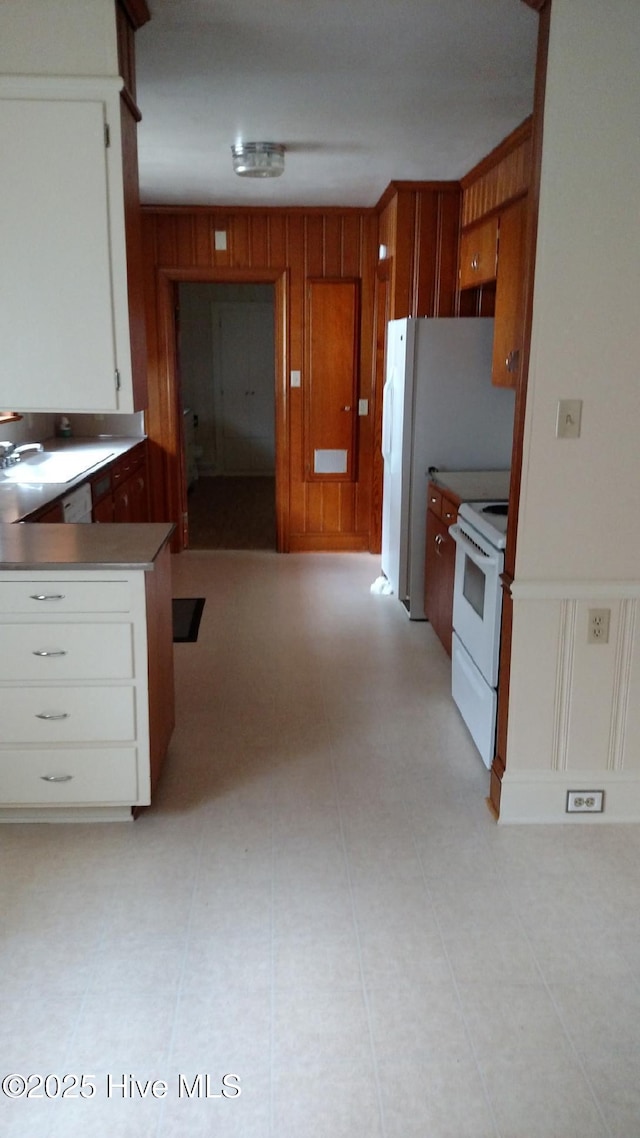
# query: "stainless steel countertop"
18 501
105 547
474 485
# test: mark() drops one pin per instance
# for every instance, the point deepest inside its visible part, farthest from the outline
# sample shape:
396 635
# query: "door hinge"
117 379
107 135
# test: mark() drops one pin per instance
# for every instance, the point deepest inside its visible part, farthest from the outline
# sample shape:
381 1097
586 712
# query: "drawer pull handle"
47 596
56 777
52 715
45 653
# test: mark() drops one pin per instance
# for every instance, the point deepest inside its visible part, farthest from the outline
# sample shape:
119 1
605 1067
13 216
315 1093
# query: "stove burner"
499 509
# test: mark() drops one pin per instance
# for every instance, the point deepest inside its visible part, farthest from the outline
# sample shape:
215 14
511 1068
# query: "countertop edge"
69 547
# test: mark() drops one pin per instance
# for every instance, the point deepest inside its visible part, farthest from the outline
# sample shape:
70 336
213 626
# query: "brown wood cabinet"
479 253
52 513
120 493
440 557
509 314
503 265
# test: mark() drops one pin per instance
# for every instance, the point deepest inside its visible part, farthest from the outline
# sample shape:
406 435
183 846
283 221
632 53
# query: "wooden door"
331 387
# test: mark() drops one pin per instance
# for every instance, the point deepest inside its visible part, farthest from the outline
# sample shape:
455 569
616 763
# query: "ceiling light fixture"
258 159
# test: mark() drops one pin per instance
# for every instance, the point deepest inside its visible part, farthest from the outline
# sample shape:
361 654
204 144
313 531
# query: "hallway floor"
232 513
320 903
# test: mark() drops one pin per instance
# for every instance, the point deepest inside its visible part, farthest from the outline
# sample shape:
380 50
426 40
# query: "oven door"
475 700
477 598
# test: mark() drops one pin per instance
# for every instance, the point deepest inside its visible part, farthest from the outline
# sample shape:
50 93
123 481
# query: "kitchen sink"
53 466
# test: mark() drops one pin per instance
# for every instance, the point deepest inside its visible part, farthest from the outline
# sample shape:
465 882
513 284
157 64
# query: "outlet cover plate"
585 802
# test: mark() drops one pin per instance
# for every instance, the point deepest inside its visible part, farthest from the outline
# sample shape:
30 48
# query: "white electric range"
480 536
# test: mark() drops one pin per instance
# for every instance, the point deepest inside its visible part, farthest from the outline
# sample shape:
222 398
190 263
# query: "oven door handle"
471 549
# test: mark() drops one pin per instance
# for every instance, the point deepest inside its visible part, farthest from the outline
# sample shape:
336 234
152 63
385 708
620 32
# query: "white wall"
573 719
198 354
78 37
31 428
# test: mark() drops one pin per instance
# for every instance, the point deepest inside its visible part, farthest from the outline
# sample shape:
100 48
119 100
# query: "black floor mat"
187 612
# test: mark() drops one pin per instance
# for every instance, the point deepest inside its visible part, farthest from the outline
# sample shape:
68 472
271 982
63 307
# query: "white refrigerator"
440 409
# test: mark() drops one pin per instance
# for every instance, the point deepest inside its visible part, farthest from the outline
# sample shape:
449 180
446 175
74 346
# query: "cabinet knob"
346 408
511 362
475 263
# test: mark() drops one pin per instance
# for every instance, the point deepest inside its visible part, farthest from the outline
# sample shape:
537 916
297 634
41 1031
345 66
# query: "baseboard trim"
539 797
56 814
329 543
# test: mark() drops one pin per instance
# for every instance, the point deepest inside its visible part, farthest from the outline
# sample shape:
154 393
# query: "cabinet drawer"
69 777
126 465
434 501
46 597
67 714
48 652
449 511
442 506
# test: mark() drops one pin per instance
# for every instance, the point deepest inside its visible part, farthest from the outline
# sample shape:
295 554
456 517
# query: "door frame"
167 431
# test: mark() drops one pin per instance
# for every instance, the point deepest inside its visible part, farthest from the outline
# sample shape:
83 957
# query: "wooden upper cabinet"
509 312
331 389
130 15
478 254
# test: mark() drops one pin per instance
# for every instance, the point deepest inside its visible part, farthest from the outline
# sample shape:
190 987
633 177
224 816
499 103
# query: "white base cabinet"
86 690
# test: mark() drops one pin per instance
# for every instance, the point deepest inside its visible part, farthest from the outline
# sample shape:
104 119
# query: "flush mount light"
258 159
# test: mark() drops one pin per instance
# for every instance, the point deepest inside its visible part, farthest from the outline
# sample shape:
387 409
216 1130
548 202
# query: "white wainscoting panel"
574 709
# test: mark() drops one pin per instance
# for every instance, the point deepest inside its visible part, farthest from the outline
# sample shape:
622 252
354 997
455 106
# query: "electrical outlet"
585 802
598 627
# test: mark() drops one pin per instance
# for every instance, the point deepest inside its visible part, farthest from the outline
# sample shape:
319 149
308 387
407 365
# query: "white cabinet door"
244 376
63 291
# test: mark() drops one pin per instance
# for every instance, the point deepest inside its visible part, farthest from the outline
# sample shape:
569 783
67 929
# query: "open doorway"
226 355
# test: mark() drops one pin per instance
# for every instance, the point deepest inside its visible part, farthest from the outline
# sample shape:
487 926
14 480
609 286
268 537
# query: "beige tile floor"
320 903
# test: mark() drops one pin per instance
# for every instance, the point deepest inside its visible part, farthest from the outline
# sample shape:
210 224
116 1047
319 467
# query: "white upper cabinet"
64 308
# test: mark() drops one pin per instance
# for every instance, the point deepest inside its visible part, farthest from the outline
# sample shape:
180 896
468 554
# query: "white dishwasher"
76 507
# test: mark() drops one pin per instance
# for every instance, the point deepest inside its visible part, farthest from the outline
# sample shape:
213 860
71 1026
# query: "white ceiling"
361 93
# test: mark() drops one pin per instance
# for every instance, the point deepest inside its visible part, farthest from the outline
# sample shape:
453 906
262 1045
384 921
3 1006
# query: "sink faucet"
10 453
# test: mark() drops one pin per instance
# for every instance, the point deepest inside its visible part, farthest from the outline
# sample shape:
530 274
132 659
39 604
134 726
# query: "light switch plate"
569 418
220 240
363 406
295 379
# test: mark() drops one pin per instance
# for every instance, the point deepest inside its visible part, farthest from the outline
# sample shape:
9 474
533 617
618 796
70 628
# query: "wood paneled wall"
286 245
500 177
419 225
